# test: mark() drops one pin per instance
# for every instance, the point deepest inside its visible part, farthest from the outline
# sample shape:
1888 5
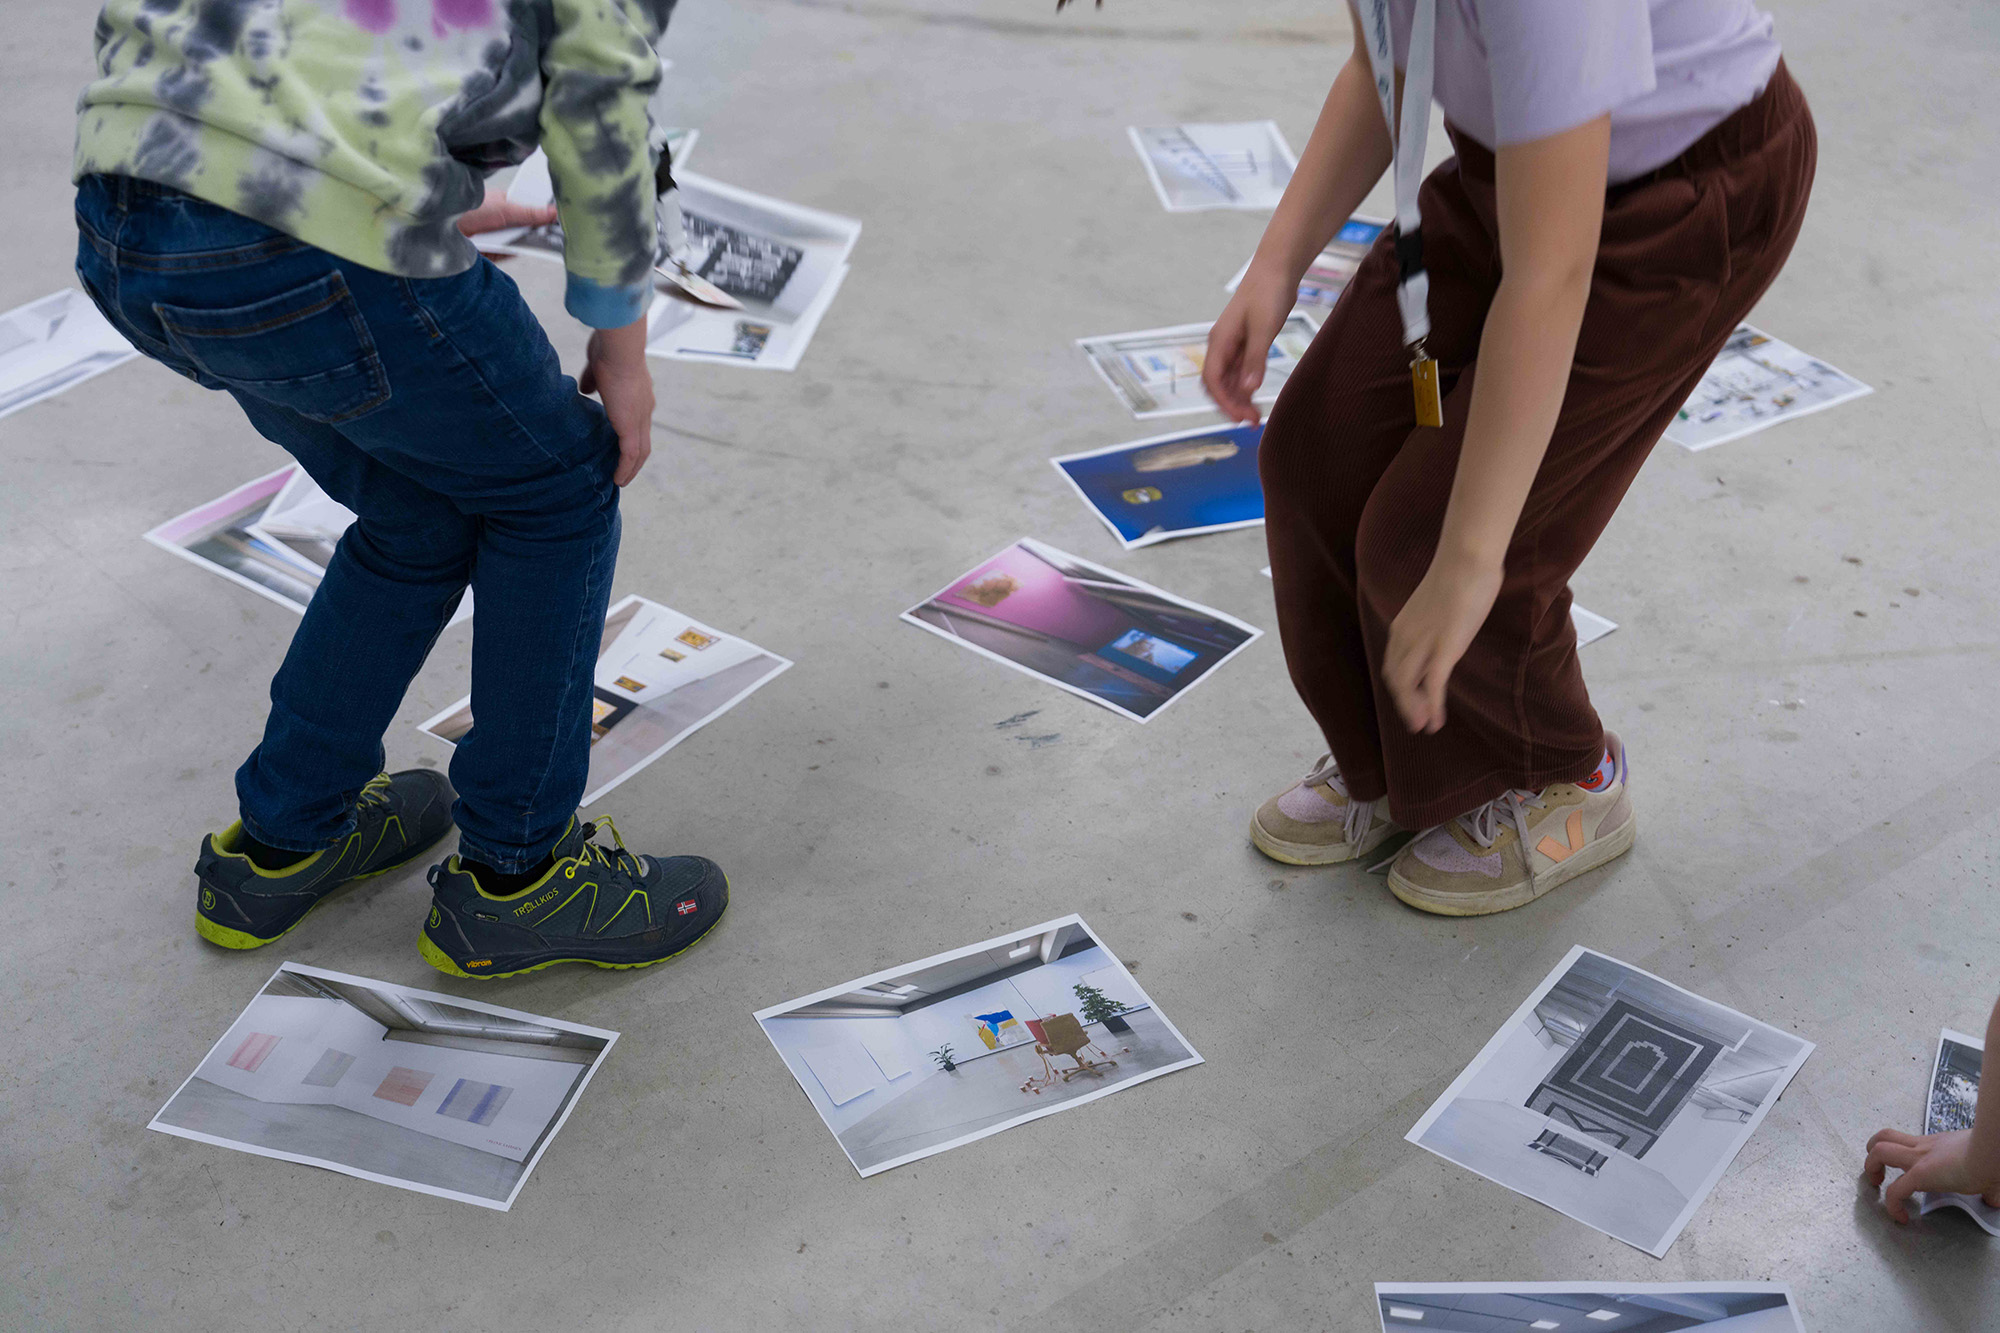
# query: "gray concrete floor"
1804 672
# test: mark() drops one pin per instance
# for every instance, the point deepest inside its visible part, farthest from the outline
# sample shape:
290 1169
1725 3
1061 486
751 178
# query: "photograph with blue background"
1160 488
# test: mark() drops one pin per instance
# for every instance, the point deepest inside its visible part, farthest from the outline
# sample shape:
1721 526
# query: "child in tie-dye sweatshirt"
367 127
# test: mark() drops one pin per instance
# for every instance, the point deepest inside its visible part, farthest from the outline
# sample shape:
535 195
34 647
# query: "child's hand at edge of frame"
1938 1163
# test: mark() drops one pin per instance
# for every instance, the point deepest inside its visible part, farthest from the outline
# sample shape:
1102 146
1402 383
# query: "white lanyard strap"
1413 291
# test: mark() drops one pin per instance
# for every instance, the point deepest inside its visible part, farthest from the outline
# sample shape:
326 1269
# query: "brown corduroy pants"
1355 491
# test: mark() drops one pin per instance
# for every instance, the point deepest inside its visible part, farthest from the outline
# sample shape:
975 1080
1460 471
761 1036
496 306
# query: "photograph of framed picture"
1168 486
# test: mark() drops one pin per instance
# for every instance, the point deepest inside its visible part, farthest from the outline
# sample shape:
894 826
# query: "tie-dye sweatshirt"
366 127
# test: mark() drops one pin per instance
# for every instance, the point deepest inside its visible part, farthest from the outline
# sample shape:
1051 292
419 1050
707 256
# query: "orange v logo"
1554 850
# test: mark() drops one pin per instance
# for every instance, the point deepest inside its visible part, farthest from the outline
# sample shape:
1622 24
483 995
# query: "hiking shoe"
1517 847
597 904
241 906
1314 822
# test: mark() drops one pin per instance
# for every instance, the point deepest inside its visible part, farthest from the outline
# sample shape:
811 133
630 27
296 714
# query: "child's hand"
496 212
1431 633
1936 1162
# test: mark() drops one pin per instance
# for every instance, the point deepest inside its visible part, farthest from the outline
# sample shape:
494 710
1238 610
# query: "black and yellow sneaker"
242 906
597 904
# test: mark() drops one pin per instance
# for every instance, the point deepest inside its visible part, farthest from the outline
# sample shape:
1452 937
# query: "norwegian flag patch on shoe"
687 907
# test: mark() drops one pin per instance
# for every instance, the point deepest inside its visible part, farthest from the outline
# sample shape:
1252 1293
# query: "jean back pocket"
307 349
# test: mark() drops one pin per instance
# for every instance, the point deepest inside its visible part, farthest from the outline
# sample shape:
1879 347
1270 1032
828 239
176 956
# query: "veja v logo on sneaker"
1554 850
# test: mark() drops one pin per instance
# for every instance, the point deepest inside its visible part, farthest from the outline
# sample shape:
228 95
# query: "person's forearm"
1984 1153
1525 351
1347 153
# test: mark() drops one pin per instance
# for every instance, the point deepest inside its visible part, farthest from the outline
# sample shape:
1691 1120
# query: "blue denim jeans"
436 410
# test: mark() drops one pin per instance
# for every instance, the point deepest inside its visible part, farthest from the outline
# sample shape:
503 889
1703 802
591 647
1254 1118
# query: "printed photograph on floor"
1328 275
1954 1096
53 344
403 1087
919 1059
1756 382
1614 1097
1083 628
660 678
273 535
219 537
1157 372
1168 486
779 263
1196 167
1595 1307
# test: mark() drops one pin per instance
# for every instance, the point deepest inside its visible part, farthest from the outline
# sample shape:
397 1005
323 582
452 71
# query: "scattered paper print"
1755 382
1954 1097
1327 276
1171 485
647 695
1083 628
1195 167
1157 372
779 263
1590 627
273 535
53 344
916 1060
1613 1097
404 1087
1593 1307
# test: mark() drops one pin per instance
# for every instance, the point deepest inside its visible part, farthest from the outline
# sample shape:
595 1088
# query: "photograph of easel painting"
940 1052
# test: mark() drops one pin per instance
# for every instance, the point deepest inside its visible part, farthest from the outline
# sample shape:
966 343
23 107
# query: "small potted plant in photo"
1097 1007
942 1058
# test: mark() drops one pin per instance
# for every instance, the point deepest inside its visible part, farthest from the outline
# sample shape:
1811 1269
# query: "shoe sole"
227 938
1314 854
444 963
1601 852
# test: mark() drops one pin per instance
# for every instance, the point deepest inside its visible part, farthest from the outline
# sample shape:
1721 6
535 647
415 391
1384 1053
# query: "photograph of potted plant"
942 1057
1096 1007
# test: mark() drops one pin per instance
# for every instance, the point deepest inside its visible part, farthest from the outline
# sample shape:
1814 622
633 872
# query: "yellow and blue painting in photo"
998 1029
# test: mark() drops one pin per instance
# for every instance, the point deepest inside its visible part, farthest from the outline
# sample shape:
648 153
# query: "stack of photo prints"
1611 1095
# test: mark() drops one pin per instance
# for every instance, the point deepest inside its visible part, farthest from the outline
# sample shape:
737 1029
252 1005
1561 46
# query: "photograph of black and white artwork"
1596 1307
1614 1097
747 266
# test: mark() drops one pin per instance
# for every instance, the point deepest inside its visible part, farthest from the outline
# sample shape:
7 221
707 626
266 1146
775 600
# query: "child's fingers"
1896 1197
1895 1136
1898 1155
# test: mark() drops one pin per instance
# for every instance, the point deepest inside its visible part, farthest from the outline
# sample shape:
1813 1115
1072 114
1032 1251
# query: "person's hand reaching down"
1239 344
615 370
496 212
1938 1163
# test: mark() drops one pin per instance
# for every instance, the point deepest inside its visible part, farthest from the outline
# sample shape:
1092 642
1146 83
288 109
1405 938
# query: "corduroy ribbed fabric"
1355 491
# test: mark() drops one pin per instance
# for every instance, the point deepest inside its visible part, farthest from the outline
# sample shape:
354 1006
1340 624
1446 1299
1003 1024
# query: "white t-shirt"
1668 71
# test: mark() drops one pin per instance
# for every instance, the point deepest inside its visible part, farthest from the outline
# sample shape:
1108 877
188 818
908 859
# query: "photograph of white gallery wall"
1598 1307
405 1087
920 1059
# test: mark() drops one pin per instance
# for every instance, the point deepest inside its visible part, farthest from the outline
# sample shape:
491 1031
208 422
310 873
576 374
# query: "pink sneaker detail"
1440 851
1307 806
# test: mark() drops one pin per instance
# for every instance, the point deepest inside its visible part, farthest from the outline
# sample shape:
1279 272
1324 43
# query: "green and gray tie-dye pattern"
366 127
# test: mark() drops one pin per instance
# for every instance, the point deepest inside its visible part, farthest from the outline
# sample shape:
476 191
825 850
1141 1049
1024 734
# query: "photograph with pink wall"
1587 1307
1084 628
404 1087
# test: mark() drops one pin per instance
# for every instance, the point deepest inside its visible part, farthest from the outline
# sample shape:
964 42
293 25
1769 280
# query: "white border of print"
1113 576
780 1010
592 797
1859 390
548 1136
153 536
1697 1196
1580 1289
1267 392
1149 539
1160 189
